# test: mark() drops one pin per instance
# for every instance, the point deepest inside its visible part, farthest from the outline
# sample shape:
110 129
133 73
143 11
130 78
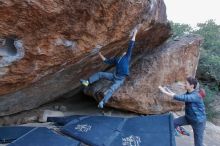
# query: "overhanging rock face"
59 42
171 62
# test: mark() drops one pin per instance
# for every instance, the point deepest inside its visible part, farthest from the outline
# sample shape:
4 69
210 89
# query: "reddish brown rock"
171 62
59 40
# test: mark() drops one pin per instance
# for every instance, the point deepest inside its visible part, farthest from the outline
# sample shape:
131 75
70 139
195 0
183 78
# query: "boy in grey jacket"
194 109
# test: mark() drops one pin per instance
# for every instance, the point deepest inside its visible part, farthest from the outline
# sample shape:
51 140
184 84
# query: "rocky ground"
83 105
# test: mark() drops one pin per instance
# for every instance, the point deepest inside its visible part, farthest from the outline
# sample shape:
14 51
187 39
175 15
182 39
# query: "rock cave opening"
7 47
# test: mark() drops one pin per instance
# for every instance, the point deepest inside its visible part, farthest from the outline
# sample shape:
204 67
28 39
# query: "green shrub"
209 99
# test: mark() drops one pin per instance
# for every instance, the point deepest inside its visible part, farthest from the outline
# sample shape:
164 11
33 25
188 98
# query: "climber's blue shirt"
122 62
194 106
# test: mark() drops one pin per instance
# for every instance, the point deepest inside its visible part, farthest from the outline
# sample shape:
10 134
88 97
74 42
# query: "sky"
193 11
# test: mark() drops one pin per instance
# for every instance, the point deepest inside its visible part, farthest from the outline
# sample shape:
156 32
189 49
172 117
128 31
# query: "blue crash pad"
147 131
61 121
93 130
42 136
114 131
8 134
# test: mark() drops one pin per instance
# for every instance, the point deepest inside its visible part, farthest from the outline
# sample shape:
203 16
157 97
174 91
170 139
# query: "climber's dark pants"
117 82
198 129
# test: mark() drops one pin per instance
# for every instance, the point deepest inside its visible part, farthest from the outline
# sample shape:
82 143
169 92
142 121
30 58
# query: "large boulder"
167 65
47 45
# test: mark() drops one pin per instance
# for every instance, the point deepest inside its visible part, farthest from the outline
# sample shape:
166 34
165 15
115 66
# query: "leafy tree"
209 63
180 29
211 33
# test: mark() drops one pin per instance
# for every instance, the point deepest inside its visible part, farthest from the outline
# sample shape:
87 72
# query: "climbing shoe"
84 82
101 104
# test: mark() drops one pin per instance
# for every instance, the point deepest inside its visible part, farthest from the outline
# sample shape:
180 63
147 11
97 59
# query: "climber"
120 73
194 109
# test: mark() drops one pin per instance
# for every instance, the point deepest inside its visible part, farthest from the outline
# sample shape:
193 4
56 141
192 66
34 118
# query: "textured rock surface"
59 39
173 61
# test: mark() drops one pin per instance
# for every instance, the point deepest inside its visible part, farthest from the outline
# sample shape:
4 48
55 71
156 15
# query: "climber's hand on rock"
102 57
162 89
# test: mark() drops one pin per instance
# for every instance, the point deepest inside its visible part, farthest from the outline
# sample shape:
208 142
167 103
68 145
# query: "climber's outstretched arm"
131 44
